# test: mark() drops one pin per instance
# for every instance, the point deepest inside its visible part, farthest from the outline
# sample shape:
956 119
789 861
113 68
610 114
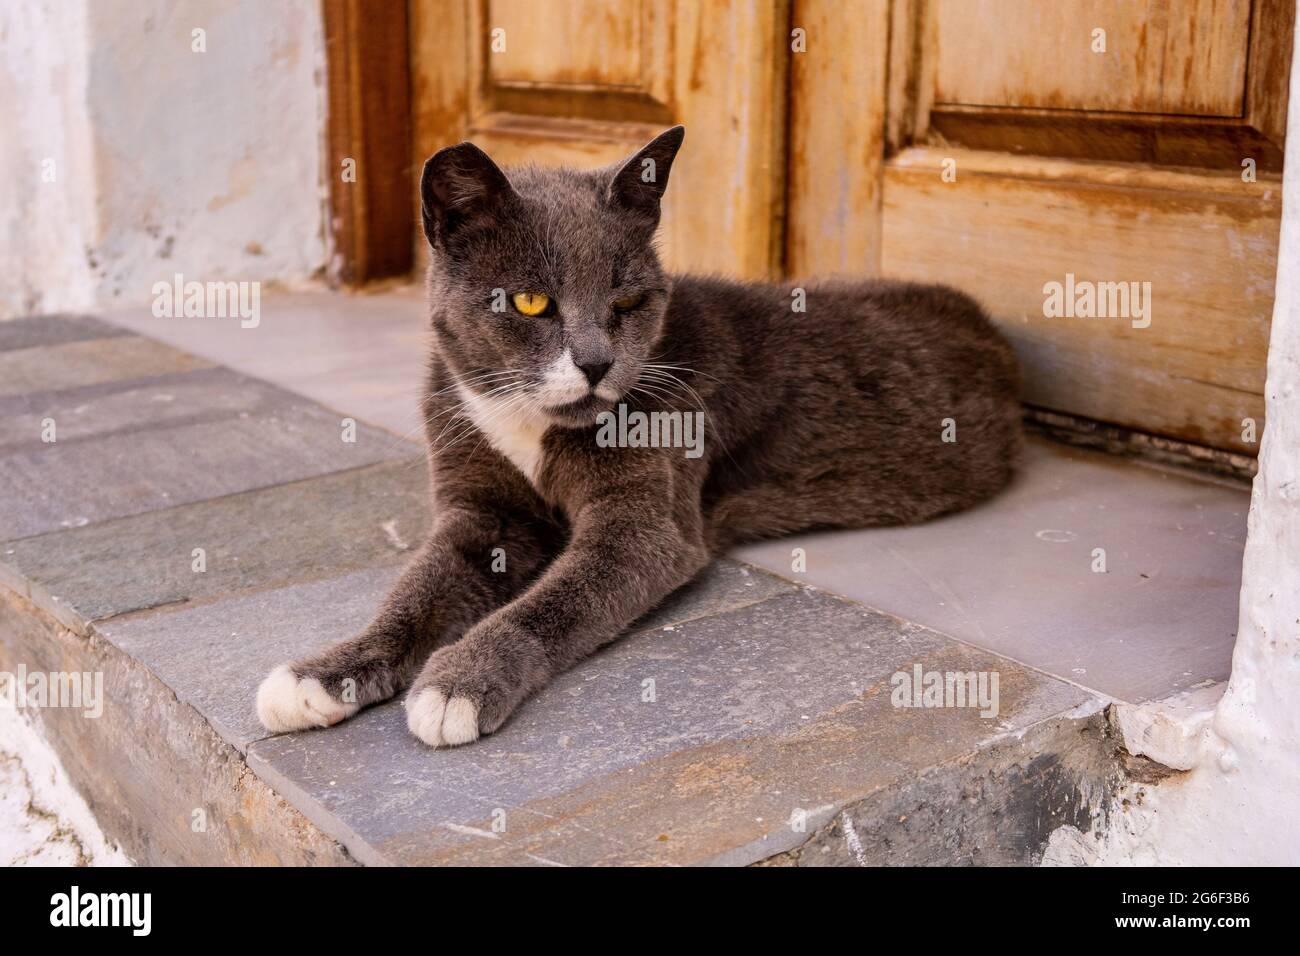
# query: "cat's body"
823 418
825 405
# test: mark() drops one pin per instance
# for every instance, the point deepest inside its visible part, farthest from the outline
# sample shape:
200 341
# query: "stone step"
750 719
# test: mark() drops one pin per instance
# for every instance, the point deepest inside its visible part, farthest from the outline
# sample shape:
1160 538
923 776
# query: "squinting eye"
531 303
628 303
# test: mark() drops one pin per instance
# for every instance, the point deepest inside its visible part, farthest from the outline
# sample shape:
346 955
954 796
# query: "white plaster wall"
46 228
1238 803
170 160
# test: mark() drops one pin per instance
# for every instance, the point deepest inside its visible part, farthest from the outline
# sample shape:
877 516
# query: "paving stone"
71 484
148 761
53 330
72 364
1016 575
359 518
758 713
127 405
214 654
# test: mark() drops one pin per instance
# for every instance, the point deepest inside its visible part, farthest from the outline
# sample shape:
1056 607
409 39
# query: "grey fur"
829 418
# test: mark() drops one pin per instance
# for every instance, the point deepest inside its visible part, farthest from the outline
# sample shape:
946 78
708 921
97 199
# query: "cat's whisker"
471 381
480 379
513 401
500 391
494 378
689 395
531 406
680 368
668 397
524 402
458 427
665 379
452 410
664 372
659 373
662 393
654 396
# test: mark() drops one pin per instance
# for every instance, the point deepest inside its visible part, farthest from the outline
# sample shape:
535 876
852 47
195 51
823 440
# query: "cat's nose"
594 371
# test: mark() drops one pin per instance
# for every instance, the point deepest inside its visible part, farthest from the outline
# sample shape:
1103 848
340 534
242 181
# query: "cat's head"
547 289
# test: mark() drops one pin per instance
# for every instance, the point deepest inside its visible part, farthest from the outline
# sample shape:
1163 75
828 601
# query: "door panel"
587 83
1015 157
600 44
836 155
1161 56
1181 82
1010 225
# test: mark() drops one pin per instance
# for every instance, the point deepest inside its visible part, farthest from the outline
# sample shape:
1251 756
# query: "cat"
880 403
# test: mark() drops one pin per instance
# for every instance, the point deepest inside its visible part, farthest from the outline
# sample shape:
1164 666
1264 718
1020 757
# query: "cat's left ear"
460 186
640 182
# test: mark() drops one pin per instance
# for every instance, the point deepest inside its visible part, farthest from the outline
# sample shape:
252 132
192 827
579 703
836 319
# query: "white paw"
286 702
440 722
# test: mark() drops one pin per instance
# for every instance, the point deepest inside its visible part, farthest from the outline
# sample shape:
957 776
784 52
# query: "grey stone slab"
49 368
758 714
1002 807
309 529
127 405
53 330
214 654
71 484
1016 575
145 761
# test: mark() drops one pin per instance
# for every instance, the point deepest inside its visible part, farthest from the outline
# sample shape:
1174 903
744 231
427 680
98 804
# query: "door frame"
368 125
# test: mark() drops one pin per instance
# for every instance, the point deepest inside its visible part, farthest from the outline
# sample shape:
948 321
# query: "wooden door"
587 82
1016 146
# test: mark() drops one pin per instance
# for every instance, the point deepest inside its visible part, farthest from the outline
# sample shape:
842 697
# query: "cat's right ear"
639 183
460 186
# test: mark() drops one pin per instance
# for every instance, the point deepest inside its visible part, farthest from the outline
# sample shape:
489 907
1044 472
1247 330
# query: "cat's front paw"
288 702
440 722
470 688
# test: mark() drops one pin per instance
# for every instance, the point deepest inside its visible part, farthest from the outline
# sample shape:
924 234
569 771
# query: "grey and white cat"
549 306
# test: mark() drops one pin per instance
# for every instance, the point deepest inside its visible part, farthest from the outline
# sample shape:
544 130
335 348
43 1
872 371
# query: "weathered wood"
1271 29
439 45
1206 243
548 97
1160 56
837 156
368 125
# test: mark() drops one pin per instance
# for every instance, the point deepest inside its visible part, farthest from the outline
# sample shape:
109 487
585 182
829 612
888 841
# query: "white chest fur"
515 432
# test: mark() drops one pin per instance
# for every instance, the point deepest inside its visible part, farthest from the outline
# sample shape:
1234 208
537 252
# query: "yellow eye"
628 303
531 303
